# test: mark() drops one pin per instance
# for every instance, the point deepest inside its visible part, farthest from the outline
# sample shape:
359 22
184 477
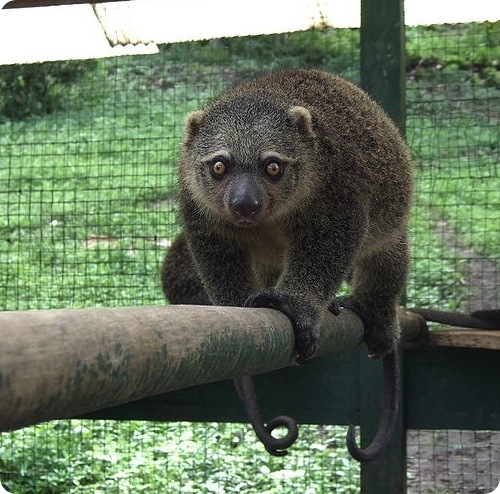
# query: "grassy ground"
87 210
100 457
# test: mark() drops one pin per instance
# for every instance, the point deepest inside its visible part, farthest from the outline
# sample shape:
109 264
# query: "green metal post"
383 77
383 55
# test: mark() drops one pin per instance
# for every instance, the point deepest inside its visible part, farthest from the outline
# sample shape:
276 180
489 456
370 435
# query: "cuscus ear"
193 124
302 118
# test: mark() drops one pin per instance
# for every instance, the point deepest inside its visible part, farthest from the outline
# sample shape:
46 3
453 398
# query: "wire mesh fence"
452 128
453 461
87 195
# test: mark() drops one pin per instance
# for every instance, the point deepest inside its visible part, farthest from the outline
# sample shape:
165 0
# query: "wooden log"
465 338
67 362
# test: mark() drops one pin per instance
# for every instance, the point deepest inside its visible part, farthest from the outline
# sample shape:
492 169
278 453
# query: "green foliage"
124 458
38 89
332 49
474 51
90 205
434 275
87 192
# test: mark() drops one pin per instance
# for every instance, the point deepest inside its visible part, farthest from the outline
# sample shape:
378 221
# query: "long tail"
480 319
275 446
392 383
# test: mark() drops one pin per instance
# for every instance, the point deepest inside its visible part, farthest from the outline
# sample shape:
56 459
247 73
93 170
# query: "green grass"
453 128
474 48
75 179
87 207
106 457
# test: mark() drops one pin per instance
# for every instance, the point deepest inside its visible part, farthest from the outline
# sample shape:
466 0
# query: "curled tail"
392 383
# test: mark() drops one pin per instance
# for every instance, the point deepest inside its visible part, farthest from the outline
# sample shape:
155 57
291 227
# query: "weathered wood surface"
466 338
61 363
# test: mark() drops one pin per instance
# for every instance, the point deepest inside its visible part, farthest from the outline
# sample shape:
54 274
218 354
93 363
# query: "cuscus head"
243 157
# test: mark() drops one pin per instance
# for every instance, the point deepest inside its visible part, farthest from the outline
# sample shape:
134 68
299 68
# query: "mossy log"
67 362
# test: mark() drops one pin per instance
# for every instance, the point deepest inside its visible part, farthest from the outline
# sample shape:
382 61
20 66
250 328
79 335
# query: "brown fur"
290 184
339 206
180 281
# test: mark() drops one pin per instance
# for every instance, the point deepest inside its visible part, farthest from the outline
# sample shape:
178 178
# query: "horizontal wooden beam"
20 4
465 338
67 362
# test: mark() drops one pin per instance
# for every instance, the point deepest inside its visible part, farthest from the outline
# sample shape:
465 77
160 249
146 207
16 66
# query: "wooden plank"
20 4
452 388
322 391
465 338
444 388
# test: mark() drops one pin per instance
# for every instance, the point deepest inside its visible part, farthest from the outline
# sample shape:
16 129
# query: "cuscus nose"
244 199
245 206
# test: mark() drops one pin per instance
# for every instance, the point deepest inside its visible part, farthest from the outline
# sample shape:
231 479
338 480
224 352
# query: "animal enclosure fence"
87 194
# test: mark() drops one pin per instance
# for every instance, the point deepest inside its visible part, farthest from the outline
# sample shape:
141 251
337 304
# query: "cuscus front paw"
303 317
380 333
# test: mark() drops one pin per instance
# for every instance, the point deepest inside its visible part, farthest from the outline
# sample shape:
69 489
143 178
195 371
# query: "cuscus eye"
219 168
273 169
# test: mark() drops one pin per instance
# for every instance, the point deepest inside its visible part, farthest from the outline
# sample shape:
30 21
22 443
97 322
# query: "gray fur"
339 209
